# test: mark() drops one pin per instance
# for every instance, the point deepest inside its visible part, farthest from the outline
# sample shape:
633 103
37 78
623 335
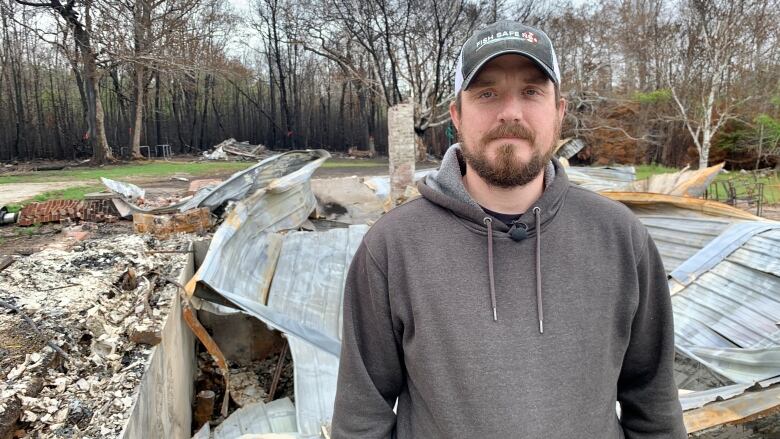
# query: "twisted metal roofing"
678 237
308 286
726 302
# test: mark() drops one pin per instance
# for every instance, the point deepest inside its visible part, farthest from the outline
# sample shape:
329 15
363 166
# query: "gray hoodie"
477 335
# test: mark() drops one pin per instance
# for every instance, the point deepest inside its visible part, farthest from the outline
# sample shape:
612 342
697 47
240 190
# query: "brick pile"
58 210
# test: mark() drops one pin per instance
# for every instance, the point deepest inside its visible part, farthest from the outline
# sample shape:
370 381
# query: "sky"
240 5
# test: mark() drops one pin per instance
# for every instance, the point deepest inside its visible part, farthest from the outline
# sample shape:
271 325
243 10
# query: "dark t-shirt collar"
506 218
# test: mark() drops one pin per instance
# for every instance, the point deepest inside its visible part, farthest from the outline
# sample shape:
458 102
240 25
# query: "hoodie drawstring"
489 224
539 306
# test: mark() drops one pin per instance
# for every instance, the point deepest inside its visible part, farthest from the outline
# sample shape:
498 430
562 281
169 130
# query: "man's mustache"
510 130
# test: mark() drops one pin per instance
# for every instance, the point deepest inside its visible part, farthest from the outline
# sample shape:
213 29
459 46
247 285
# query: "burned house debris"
232 149
55 210
183 332
107 329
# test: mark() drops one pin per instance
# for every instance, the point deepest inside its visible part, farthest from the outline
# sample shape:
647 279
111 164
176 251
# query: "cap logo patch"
506 35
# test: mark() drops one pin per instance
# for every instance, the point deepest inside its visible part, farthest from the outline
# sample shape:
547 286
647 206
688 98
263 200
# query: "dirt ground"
16 192
769 212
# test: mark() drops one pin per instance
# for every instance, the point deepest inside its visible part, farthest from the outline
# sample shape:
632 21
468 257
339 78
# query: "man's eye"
532 92
487 94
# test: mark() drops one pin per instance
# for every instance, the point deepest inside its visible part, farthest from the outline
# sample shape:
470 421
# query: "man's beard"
506 170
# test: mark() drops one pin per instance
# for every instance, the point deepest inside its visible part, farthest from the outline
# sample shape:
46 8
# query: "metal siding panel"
678 238
601 179
309 287
733 299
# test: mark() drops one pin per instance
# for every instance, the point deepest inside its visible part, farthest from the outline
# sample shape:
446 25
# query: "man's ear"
561 110
454 115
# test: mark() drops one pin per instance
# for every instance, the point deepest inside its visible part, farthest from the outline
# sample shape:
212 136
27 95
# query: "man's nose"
511 109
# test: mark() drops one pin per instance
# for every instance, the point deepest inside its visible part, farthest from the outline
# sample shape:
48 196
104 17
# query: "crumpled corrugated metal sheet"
623 179
726 302
244 257
684 183
309 287
305 303
678 237
127 190
566 148
277 416
243 252
237 187
660 204
381 184
599 179
727 243
693 400
730 404
291 165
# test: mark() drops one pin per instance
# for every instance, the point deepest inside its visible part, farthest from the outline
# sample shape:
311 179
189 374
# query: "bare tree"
88 59
272 15
714 33
431 48
399 51
141 34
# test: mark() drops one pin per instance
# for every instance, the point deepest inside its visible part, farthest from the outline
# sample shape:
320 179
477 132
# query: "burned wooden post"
204 407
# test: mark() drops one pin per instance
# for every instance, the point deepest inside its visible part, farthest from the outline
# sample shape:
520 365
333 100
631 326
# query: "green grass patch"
161 170
645 171
127 171
28 231
347 163
74 193
745 186
14 207
654 97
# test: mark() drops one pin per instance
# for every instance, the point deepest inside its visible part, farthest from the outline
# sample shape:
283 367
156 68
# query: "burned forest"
646 82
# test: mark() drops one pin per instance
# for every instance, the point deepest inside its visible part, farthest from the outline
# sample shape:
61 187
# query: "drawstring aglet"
495 316
541 327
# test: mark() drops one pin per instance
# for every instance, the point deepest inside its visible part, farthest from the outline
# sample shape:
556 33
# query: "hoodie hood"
445 188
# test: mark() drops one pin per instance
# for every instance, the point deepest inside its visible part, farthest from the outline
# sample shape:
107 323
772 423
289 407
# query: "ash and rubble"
82 299
102 303
249 382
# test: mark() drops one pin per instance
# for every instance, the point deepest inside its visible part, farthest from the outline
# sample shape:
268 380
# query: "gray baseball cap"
501 38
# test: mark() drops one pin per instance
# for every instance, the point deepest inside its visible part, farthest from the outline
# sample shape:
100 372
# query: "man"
506 302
